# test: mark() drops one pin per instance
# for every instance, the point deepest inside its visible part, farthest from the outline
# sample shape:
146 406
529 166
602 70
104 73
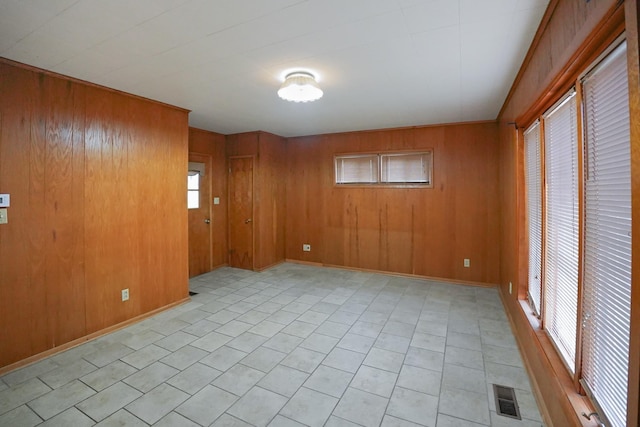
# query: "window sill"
534 321
575 402
383 186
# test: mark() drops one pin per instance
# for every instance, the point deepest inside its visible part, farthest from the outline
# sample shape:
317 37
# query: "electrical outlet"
467 262
3 216
306 247
510 288
125 295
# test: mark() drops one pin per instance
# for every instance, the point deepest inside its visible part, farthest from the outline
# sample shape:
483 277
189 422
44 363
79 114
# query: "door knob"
207 221
247 221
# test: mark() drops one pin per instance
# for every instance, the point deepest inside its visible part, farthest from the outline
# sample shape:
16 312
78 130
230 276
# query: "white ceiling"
381 63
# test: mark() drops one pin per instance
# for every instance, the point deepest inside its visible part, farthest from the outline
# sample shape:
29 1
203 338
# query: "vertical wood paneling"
174 160
22 297
63 177
271 206
104 265
420 231
134 118
569 25
96 180
35 212
214 144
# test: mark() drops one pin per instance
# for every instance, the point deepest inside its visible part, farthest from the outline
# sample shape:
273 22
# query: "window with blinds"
607 253
561 231
534 213
357 169
390 169
407 168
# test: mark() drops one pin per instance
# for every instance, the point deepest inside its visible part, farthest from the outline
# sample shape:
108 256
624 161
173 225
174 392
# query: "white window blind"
607 266
534 213
406 168
561 233
357 169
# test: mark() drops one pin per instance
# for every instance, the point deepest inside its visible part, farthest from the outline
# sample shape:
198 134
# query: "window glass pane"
193 180
357 169
561 243
607 271
406 168
193 187
193 199
534 213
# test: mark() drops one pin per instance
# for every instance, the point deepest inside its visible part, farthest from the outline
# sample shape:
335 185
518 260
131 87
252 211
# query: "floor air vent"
506 403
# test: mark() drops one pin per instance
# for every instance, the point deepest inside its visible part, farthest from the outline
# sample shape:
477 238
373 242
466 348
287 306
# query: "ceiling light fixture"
300 86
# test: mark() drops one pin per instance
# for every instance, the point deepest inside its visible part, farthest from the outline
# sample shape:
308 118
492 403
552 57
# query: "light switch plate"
5 200
216 200
3 216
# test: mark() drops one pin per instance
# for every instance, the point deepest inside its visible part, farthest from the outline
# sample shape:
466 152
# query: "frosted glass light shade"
300 87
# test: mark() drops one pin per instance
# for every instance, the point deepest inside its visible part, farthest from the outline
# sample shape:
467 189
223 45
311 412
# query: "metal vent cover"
506 403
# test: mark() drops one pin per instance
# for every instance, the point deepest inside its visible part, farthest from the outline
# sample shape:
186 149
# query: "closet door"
241 225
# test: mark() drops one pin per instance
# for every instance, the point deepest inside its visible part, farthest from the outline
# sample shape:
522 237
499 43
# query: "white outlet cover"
5 200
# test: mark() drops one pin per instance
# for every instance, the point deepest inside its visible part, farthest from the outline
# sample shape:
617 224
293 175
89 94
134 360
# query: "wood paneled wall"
98 205
572 34
214 144
269 192
420 231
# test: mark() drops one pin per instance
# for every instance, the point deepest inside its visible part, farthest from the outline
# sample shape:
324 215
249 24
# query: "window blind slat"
561 234
607 271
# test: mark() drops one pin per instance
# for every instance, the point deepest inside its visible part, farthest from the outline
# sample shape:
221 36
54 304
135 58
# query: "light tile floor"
294 345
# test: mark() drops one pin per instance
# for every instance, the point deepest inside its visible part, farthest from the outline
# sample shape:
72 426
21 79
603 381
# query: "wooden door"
199 194
241 212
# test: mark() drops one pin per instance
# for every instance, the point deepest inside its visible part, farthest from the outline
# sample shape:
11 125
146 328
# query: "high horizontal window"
403 168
